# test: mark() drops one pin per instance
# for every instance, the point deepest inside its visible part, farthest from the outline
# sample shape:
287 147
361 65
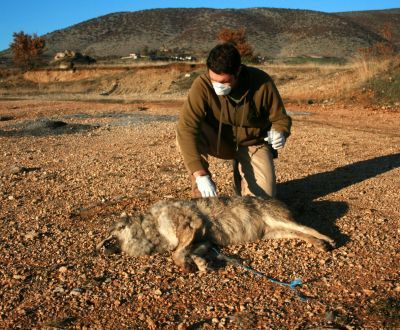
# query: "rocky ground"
68 170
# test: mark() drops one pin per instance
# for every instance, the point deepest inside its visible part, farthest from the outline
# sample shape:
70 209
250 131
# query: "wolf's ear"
110 244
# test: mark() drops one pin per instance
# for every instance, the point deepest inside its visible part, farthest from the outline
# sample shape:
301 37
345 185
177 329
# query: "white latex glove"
206 186
276 139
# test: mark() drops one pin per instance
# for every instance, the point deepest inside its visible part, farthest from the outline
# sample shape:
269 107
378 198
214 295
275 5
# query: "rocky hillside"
272 32
377 21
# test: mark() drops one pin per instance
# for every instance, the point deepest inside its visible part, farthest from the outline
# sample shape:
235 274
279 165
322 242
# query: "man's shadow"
300 194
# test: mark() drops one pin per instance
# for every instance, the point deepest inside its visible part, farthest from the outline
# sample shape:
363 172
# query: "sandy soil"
62 186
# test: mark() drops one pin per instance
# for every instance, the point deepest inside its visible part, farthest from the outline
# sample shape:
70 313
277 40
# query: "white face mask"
221 89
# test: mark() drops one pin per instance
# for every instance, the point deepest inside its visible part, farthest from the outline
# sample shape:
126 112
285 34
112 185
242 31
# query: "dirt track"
62 189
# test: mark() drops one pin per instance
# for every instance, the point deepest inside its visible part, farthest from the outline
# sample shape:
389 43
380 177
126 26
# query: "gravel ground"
68 170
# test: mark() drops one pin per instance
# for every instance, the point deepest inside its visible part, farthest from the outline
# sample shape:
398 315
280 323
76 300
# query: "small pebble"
63 269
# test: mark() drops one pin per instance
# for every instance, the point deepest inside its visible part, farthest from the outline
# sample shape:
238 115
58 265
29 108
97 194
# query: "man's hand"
206 186
276 139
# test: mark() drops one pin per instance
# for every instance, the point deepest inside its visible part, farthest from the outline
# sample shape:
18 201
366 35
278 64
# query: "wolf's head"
127 236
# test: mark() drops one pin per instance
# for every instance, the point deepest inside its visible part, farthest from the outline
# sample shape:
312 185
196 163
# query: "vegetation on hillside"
27 49
380 65
239 39
383 88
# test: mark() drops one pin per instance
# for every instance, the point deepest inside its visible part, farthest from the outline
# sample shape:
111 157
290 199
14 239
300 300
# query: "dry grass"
316 82
368 68
312 82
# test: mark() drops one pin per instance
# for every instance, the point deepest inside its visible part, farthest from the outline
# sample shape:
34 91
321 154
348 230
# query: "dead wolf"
189 228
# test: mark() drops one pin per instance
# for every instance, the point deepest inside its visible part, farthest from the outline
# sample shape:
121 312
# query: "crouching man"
233 112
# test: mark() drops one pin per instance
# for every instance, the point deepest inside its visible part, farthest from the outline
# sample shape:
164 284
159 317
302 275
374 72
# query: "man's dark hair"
224 58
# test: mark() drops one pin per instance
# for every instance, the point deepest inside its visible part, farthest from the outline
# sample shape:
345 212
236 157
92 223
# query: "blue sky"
43 16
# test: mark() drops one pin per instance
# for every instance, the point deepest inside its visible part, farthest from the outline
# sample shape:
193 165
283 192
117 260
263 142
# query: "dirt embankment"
375 85
108 83
88 72
60 75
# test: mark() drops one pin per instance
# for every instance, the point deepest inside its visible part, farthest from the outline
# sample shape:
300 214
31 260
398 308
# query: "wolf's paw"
325 245
189 267
201 263
186 263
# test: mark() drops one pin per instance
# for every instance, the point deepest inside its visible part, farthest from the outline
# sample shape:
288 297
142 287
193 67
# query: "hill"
272 32
376 21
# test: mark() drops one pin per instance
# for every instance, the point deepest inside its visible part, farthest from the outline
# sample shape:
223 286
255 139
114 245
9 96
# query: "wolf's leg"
289 225
186 233
321 244
312 232
197 254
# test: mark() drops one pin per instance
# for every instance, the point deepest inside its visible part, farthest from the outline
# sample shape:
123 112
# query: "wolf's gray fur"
190 227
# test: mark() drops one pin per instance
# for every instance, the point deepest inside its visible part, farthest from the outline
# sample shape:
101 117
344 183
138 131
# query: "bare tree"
238 38
27 49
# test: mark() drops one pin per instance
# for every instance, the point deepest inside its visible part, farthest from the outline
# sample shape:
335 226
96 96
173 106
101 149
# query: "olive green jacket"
242 118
